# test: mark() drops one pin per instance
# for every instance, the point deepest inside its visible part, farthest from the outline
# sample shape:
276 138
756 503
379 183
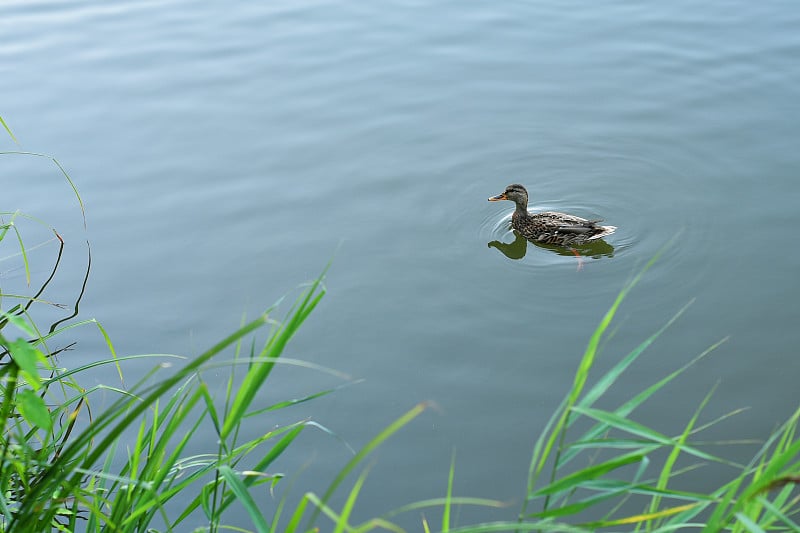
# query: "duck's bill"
501 196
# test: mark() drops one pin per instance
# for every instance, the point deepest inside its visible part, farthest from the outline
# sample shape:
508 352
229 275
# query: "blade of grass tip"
540 454
440 502
669 463
608 379
543 526
77 370
58 331
211 409
366 450
683 521
255 377
613 489
244 498
581 375
311 423
268 459
111 349
645 517
449 497
159 463
74 189
201 501
780 515
748 524
577 507
64 172
295 401
378 523
278 512
594 340
640 430
756 511
297 516
786 452
8 130
24 256
323 508
593 472
347 509
727 495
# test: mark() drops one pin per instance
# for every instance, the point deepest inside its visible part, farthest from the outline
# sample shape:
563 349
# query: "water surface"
225 155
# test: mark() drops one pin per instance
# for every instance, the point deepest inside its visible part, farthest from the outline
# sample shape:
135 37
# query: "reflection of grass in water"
59 455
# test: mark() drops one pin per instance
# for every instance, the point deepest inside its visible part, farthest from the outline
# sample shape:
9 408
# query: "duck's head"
514 192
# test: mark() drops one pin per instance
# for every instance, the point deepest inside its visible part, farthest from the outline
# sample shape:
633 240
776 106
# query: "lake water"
227 152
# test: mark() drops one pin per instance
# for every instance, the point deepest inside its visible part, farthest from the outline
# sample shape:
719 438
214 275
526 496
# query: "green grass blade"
748 524
341 523
449 496
628 407
376 441
785 454
609 378
641 518
779 514
258 373
244 497
669 464
297 516
640 430
440 502
63 172
557 434
119 415
24 255
543 526
8 130
576 479
268 459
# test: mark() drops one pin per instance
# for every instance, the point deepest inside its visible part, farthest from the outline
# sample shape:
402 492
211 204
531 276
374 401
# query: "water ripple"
642 188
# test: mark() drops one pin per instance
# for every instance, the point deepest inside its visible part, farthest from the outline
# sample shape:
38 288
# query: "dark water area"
226 154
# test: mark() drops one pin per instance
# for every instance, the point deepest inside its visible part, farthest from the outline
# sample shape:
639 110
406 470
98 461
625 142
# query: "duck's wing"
557 220
580 230
565 223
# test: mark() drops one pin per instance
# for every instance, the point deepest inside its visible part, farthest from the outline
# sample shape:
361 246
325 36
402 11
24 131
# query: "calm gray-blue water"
227 152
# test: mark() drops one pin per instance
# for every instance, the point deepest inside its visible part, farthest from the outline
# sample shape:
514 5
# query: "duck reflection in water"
517 249
560 232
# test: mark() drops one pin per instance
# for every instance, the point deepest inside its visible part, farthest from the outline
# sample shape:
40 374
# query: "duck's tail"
605 232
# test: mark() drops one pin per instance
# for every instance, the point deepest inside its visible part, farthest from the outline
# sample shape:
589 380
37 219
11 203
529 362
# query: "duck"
550 227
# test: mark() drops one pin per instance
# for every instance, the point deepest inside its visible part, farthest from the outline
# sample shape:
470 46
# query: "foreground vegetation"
64 467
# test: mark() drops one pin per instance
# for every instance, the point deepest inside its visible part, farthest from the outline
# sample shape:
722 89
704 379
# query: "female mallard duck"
550 227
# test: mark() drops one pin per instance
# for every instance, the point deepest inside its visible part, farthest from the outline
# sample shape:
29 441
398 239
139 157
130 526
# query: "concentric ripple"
641 188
